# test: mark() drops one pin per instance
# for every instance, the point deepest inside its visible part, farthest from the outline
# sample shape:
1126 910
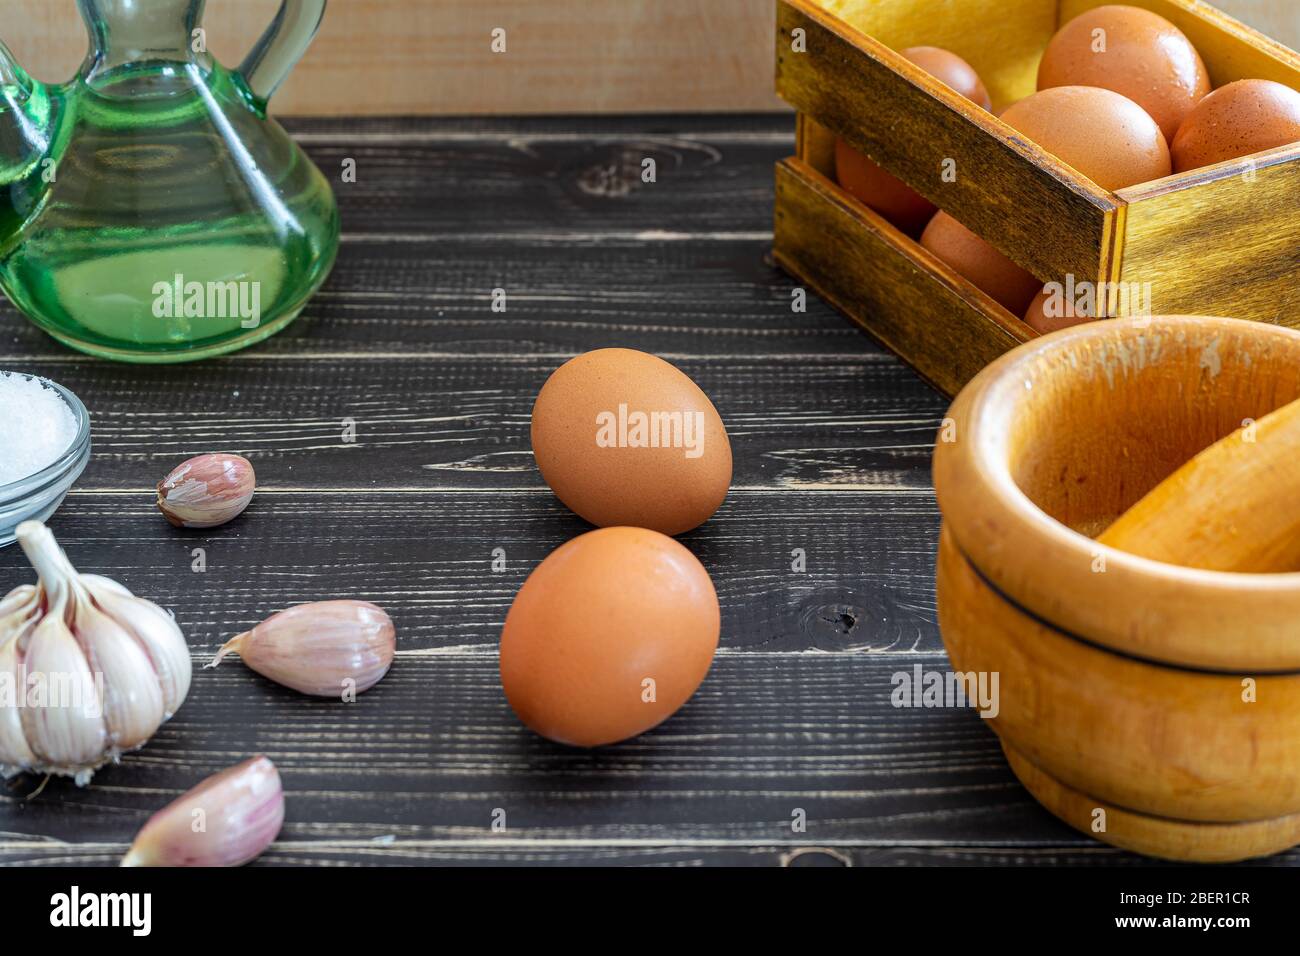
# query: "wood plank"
1220 241
815 145
1044 215
937 321
438 420
413 771
503 852
550 178
431 751
426 555
676 297
443 214
831 439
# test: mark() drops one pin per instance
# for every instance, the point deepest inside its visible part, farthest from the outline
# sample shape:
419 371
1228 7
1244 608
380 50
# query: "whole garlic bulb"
88 671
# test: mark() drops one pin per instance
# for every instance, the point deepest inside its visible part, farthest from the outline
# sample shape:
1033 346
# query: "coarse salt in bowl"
44 446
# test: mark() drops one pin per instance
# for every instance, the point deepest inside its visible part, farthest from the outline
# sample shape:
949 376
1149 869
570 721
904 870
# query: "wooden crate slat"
939 323
1225 242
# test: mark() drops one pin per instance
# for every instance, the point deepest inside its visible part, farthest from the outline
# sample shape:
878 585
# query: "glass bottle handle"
11 74
281 46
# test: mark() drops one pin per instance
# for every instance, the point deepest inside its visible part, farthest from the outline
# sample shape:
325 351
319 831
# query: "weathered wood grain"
479 179
433 420
1005 188
943 326
426 757
1220 241
382 851
426 555
830 436
678 297
814 145
413 772
440 475
441 215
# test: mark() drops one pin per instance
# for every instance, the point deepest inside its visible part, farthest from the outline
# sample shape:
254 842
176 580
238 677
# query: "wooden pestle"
1234 507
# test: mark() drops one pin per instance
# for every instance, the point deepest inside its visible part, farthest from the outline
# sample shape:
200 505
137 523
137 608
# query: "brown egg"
1051 311
886 194
1137 53
1105 136
624 438
981 263
950 69
608 637
1245 117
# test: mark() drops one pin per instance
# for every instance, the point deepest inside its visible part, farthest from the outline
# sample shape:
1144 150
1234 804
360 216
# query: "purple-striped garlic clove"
207 491
326 649
227 820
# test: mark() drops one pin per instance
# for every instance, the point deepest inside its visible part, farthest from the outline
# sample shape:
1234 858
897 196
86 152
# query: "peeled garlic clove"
206 491
227 820
327 649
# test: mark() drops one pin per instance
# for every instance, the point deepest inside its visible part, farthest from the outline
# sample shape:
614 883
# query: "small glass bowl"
36 496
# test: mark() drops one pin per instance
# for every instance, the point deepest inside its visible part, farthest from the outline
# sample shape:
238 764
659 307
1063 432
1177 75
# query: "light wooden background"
564 56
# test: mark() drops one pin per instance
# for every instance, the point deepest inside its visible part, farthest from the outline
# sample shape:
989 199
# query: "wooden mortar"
1157 701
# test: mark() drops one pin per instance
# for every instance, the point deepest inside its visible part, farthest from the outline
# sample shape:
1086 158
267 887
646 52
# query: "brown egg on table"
625 438
1236 120
1130 51
886 194
1052 310
1105 136
609 636
978 261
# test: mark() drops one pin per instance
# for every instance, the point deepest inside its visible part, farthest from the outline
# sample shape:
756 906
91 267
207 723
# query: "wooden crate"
1224 240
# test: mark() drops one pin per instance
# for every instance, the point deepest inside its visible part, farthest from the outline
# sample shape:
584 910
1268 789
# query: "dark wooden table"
831 437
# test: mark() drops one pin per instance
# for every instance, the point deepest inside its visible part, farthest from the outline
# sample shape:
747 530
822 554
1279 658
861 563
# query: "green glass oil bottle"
150 210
